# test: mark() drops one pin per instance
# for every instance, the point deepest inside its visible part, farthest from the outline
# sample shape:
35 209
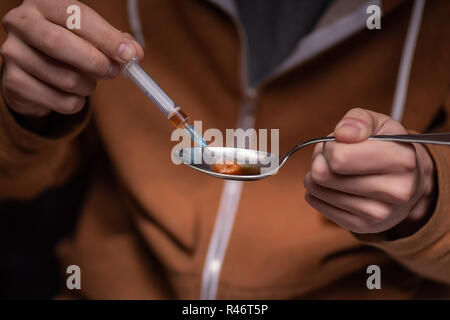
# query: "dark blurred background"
28 266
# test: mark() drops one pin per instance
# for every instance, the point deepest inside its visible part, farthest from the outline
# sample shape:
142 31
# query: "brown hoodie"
147 225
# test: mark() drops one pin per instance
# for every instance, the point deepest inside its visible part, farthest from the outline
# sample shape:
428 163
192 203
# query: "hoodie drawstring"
401 88
135 21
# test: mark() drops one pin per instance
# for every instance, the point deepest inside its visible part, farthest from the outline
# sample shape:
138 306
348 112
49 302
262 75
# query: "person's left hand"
371 186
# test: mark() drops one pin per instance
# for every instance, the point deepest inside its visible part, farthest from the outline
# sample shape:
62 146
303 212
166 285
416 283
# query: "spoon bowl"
257 165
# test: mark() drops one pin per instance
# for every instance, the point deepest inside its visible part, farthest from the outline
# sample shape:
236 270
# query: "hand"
48 67
371 186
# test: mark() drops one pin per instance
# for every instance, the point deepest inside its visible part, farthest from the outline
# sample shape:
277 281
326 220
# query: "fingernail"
354 128
126 52
113 71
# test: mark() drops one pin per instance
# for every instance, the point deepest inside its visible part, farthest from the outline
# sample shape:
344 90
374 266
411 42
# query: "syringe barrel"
133 71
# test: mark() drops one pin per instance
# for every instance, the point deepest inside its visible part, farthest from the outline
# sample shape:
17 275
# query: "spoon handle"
432 138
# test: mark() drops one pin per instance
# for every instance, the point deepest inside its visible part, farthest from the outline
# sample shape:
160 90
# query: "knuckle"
403 192
97 64
410 160
7 50
71 104
13 80
15 18
319 171
338 160
71 81
51 39
379 213
12 17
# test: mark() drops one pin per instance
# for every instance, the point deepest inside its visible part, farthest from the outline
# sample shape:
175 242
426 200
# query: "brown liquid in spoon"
231 167
227 167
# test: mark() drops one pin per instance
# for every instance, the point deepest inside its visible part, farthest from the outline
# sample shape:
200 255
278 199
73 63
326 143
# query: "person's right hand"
49 67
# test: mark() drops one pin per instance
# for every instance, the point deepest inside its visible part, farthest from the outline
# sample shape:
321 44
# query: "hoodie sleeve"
32 162
33 159
427 251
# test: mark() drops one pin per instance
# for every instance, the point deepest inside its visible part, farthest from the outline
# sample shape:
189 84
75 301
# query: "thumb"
357 125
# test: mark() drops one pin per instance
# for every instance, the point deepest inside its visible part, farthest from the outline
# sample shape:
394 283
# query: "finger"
94 28
357 205
29 89
358 124
369 157
61 44
139 49
18 104
390 188
46 69
343 218
318 148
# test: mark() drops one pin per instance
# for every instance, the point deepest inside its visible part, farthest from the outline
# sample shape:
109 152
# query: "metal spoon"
258 165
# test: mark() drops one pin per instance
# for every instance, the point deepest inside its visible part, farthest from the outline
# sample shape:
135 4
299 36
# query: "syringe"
173 112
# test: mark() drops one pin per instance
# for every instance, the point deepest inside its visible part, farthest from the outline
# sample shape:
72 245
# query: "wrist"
35 124
422 211
52 125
